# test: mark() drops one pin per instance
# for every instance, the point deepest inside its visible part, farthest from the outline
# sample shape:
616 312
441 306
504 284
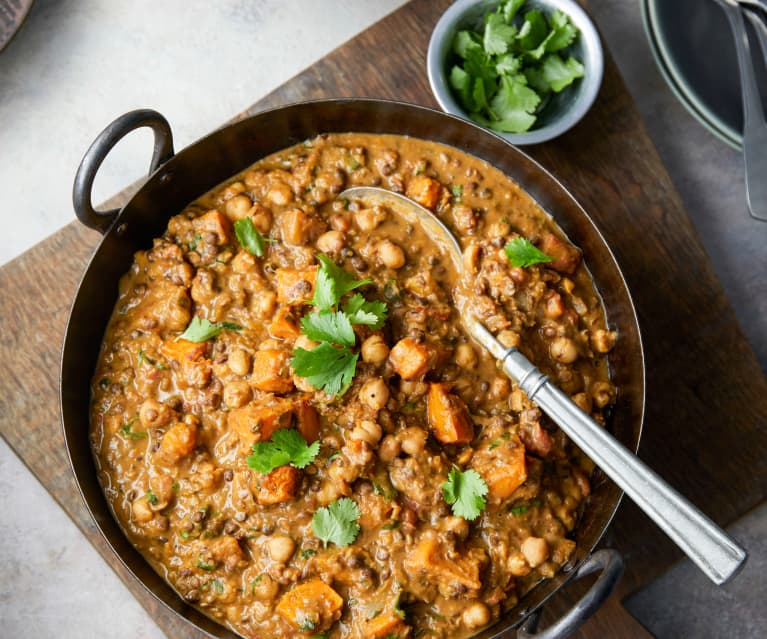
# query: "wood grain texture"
707 397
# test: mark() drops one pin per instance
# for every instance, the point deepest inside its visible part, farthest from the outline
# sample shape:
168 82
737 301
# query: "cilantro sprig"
330 366
522 252
286 447
250 238
503 74
201 330
337 522
465 493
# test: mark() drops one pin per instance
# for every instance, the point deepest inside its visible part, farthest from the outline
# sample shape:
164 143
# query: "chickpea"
391 255
281 548
142 512
465 356
237 207
389 449
583 401
262 218
535 551
331 242
265 588
517 565
368 219
602 341
603 393
456 525
509 339
471 257
563 350
476 615
302 341
374 393
500 388
263 304
237 393
374 350
367 431
413 440
279 194
239 362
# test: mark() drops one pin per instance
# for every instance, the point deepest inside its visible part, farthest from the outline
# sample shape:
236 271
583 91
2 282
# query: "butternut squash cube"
257 421
502 466
271 371
280 485
448 417
312 605
424 190
410 359
295 286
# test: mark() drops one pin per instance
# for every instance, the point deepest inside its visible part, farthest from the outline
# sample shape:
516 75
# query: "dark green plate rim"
678 84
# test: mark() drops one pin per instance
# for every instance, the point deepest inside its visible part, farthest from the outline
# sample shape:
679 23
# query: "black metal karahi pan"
176 180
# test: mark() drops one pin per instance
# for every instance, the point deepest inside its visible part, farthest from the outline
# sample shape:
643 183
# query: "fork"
754 125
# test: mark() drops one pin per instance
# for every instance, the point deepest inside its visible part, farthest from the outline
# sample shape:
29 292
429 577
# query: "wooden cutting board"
706 395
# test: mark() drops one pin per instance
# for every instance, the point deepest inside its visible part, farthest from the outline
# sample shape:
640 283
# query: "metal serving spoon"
717 554
754 125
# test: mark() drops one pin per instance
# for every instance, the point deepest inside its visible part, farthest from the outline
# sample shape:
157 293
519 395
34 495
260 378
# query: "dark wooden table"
706 395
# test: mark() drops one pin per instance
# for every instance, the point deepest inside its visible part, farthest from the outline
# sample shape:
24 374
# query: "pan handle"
610 563
102 145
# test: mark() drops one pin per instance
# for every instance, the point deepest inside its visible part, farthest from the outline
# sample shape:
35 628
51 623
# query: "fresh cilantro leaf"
462 83
360 311
337 522
308 552
563 32
247 235
201 330
465 493
519 510
457 191
151 497
498 34
464 42
509 8
508 64
329 326
522 252
326 367
533 31
559 73
286 447
514 105
333 283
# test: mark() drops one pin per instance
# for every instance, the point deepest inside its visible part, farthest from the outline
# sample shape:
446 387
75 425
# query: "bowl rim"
590 85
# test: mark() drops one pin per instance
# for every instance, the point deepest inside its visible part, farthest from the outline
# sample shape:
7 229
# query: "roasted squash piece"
429 564
410 359
564 257
271 371
294 285
312 605
177 442
308 420
258 420
284 325
424 190
448 417
280 485
502 466
214 222
387 625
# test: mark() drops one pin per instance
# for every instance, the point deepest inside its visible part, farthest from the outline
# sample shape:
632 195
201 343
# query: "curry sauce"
424 493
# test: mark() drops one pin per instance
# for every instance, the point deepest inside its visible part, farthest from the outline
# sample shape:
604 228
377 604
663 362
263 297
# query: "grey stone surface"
76 65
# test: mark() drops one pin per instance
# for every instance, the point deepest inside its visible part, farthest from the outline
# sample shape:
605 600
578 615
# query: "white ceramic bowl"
562 110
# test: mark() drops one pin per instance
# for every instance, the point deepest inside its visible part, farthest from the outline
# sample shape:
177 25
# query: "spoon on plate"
754 125
715 552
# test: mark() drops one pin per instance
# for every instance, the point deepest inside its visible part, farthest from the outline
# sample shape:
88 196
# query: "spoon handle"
715 552
754 126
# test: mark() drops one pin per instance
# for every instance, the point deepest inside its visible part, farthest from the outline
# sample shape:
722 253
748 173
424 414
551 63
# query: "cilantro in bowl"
503 75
